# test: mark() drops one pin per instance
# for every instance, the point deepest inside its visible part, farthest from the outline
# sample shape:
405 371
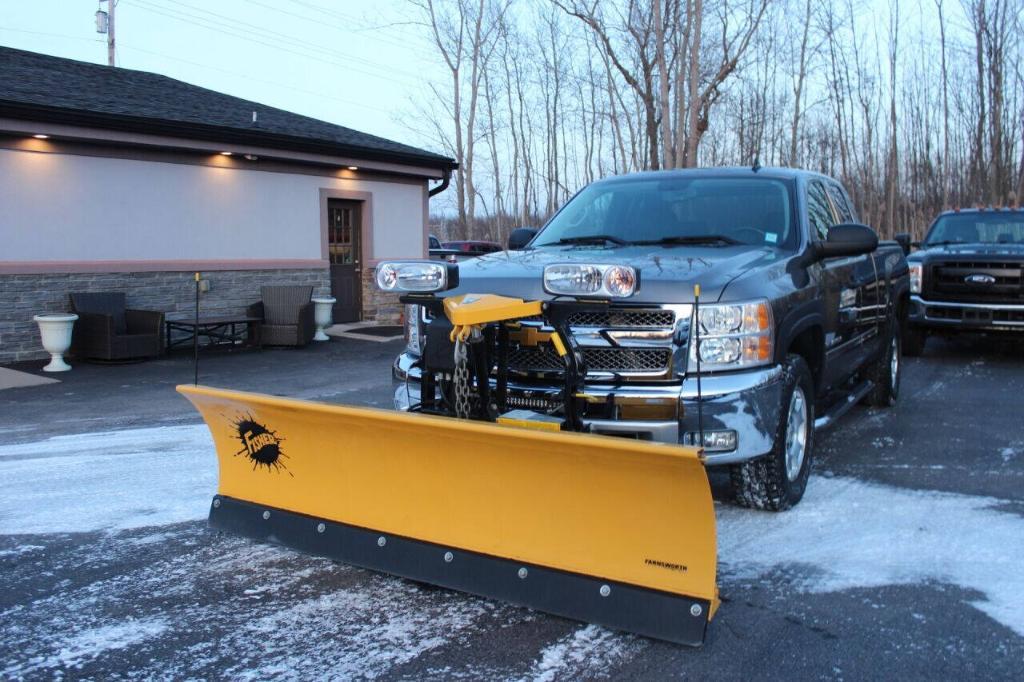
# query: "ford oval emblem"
980 279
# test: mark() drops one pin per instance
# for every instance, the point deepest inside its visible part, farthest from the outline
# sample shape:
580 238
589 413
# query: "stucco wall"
64 207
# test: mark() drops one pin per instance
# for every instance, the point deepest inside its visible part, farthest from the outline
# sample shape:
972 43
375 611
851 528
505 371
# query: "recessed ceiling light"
40 136
225 153
353 167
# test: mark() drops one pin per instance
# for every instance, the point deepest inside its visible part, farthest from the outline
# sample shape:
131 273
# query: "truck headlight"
591 280
916 277
413 330
416 276
733 336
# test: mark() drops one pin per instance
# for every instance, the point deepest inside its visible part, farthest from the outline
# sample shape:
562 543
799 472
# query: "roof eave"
206 132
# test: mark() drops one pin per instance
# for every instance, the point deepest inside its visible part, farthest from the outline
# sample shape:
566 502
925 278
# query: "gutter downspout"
445 181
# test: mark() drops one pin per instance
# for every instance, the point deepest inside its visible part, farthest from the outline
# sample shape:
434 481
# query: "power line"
301 42
53 35
320 22
256 80
291 45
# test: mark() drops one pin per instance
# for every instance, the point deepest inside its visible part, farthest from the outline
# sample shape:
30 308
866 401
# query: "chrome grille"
623 318
543 358
947 281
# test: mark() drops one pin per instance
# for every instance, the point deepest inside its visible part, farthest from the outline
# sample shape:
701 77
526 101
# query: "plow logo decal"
261 445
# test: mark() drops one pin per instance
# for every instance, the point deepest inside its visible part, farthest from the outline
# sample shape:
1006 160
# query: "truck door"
871 294
839 288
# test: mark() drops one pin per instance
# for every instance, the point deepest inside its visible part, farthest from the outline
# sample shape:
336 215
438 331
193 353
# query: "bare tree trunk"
693 103
798 90
667 152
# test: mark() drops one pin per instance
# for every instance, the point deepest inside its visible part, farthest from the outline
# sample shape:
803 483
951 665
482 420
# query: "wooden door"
344 239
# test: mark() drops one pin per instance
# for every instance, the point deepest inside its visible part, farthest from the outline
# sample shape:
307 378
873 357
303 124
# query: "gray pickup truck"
800 316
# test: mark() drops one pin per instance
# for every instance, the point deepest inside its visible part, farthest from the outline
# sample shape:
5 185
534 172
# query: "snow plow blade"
594 528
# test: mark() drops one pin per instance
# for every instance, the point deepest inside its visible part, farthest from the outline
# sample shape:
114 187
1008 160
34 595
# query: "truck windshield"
995 227
677 211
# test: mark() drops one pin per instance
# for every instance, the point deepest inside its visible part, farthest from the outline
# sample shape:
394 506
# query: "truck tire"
886 372
777 481
914 339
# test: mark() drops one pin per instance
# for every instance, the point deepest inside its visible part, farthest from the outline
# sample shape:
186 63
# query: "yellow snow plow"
505 504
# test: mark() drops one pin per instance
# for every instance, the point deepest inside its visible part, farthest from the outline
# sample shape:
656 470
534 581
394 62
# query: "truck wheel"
777 481
885 373
914 339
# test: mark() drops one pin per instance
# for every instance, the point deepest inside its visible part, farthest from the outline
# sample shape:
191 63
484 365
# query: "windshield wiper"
593 238
694 239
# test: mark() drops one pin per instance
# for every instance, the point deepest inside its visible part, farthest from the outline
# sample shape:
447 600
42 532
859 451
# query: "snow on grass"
588 653
107 480
848 533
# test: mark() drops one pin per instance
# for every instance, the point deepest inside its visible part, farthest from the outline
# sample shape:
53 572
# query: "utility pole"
105 24
111 47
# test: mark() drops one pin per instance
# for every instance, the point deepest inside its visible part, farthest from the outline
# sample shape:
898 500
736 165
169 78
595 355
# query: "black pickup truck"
968 276
799 316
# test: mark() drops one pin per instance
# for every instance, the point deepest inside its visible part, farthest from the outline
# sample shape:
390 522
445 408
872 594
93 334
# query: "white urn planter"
55 329
323 308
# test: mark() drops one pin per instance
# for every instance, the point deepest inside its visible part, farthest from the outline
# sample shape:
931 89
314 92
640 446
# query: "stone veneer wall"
377 306
22 296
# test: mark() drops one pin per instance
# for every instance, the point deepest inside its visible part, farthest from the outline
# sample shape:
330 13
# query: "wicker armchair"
107 330
287 314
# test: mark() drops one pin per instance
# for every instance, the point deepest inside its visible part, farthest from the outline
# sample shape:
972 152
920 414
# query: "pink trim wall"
46 267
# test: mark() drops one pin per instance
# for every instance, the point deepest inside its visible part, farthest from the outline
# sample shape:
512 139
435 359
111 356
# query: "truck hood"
667 274
1013 251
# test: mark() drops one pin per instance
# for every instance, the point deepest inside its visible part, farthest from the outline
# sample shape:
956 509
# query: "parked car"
437 251
799 317
967 276
474 247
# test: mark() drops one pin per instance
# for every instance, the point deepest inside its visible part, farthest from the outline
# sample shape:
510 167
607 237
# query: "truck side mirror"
903 239
847 239
520 237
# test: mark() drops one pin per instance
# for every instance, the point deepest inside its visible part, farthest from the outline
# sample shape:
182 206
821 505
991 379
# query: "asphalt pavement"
903 561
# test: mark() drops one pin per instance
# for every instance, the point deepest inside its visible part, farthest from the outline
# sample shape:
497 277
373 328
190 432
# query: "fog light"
714 441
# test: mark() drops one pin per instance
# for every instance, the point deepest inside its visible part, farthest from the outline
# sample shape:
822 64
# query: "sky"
357 64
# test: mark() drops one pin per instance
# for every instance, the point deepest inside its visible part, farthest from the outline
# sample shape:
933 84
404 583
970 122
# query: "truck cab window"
841 203
819 213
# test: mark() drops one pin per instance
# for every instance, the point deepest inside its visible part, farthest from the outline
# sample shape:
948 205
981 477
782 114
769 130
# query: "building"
121 180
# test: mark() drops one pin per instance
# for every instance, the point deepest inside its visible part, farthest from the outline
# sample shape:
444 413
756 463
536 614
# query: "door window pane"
819 213
838 197
341 236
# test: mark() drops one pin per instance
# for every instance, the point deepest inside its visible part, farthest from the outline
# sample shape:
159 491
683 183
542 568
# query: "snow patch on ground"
90 643
848 533
95 641
107 480
588 653
366 632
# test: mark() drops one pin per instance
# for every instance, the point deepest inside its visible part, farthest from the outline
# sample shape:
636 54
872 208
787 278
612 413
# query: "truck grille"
543 358
947 281
624 319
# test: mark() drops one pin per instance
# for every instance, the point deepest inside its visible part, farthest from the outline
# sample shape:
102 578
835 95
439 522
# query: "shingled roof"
40 87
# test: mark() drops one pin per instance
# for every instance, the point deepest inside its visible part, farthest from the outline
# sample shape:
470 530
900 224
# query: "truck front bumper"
980 317
747 403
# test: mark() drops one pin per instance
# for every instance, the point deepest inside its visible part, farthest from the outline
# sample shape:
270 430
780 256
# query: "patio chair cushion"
104 303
